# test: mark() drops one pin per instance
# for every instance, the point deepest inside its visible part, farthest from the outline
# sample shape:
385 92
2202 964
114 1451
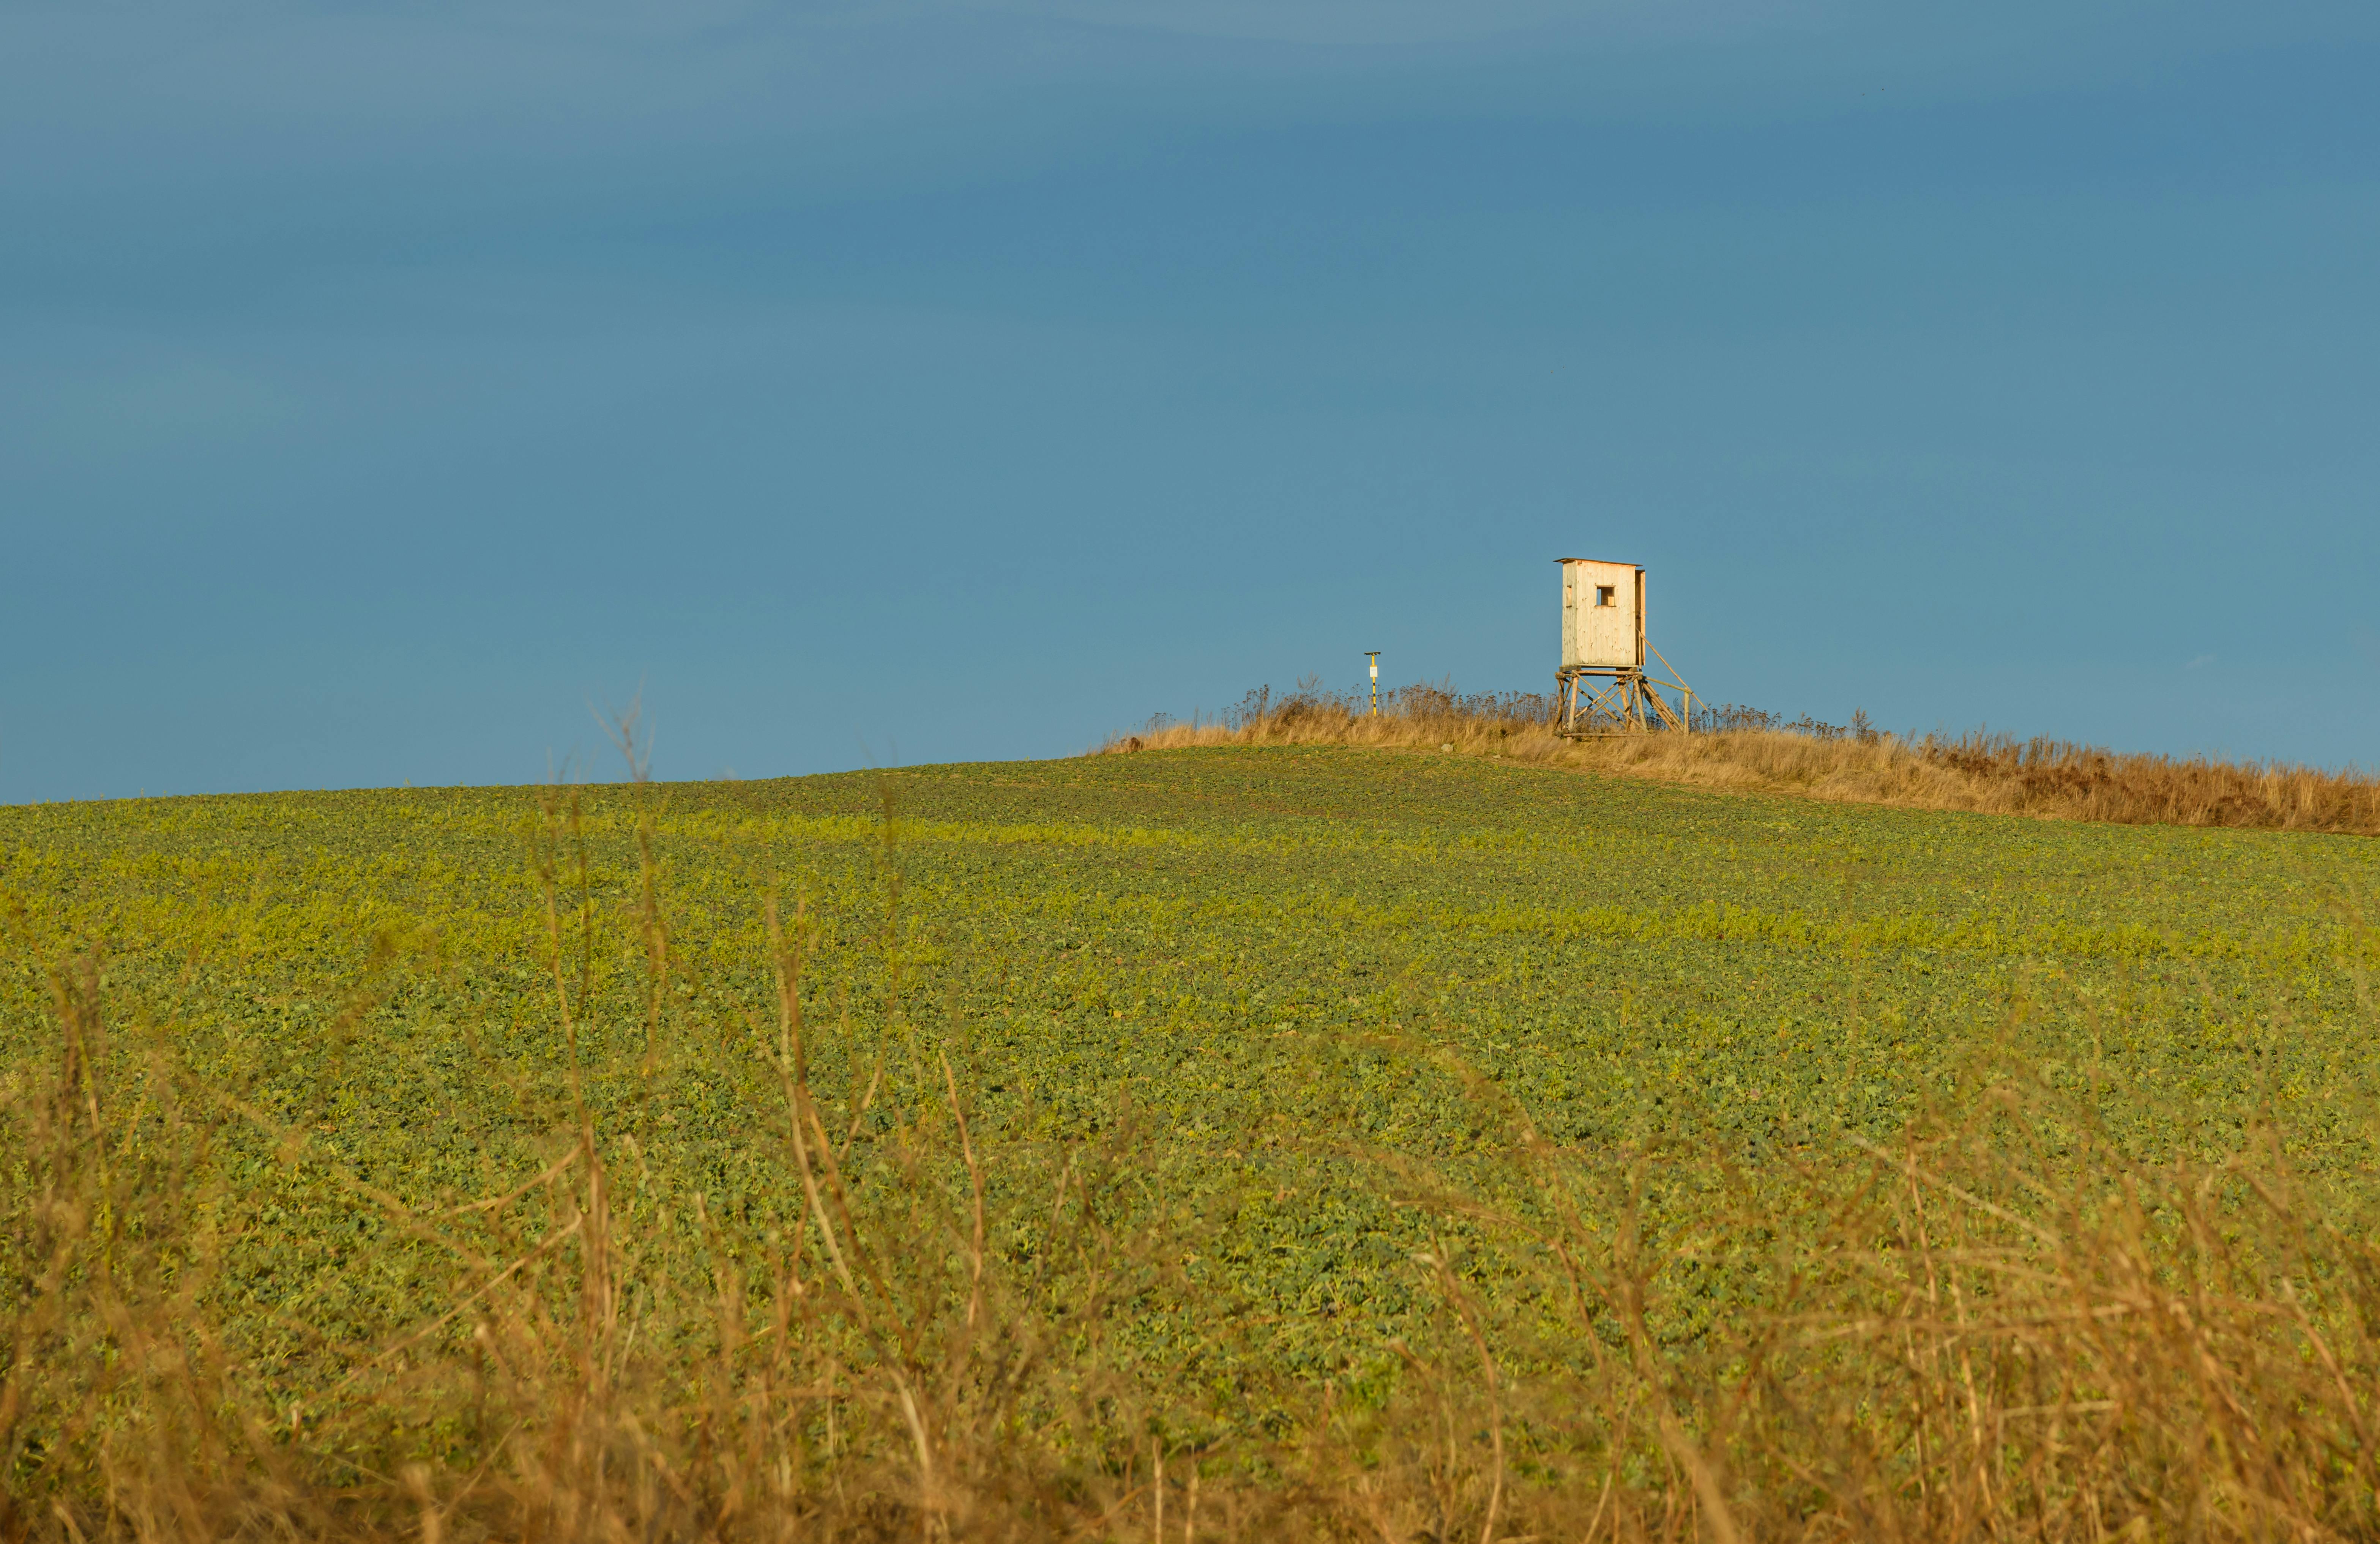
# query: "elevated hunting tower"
1603 642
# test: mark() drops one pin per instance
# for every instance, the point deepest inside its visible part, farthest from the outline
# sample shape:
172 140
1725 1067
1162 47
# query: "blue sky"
382 385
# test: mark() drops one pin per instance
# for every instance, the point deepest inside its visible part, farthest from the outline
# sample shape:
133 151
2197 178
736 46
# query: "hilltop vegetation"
1750 751
1392 1144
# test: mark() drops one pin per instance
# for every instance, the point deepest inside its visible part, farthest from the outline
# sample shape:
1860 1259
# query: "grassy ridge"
1307 1012
1749 751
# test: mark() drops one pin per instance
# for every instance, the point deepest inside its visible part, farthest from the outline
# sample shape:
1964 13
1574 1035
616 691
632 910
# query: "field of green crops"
1268 973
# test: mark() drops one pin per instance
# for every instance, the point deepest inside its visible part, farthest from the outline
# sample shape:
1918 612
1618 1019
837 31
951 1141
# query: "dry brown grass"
1979 772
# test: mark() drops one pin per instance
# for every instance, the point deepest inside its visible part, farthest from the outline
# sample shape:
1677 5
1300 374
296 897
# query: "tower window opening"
1603 595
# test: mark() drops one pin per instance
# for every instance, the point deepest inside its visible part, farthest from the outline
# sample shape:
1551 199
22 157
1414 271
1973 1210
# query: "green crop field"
1280 991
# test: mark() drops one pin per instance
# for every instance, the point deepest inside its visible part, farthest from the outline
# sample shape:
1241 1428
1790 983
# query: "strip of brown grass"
1980 772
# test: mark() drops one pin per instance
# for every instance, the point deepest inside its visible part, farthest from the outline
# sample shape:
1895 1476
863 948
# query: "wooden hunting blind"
1603 642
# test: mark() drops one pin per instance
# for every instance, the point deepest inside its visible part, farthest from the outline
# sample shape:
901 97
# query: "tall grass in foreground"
1997 1326
1748 750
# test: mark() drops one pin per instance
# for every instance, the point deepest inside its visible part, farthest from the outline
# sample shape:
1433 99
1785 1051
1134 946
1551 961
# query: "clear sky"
380 385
